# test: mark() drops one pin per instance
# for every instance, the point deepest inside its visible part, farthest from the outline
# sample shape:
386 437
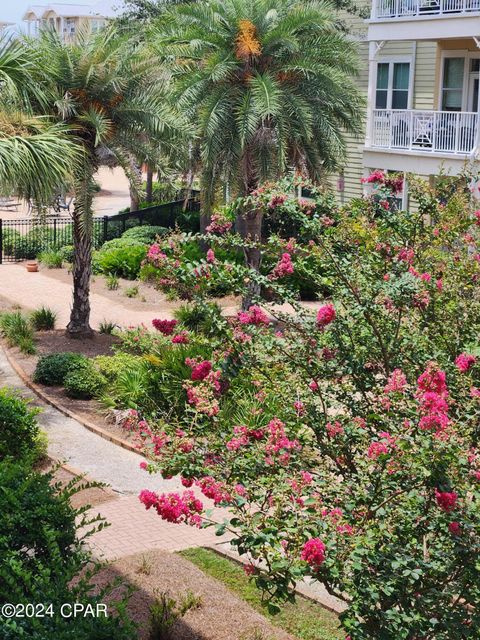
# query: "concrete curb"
38 391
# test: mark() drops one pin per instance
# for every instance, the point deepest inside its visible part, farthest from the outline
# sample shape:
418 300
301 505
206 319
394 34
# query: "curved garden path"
133 529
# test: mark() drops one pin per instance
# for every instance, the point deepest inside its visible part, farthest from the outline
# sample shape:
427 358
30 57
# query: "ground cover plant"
304 619
344 443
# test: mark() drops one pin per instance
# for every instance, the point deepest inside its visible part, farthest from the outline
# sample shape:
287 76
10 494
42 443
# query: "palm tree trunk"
135 179
149 189
79 325
250 228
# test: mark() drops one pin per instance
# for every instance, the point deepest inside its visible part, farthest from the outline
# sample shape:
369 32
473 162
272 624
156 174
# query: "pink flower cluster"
211 256
313 553
243 436
156 255
174 507
432 394
180 338
284 267
396 382
276 200
164 326
279 443
381 447
255 316
446 500
147 440
218 224
464 362
200 370
375 176
325 315
214 490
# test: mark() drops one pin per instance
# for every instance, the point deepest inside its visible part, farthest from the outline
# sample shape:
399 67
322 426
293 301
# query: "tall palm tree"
271 86
36 154
112 96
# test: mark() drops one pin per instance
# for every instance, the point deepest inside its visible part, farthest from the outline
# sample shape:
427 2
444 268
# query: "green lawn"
305 619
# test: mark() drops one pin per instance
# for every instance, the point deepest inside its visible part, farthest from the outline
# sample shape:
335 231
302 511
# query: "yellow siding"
425 78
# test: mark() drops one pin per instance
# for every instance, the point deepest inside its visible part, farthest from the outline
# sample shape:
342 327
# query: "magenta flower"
326 315
164 326
464 362
313 552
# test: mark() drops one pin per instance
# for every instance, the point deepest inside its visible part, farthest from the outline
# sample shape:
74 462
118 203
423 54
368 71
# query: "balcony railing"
410 8
452 132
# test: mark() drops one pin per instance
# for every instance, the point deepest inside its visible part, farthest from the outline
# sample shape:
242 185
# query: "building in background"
421 63
5 26
70 19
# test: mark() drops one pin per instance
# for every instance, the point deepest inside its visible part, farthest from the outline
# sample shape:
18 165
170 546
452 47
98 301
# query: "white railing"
404 8
430 131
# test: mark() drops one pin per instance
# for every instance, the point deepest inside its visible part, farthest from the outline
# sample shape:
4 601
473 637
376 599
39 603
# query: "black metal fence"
24 239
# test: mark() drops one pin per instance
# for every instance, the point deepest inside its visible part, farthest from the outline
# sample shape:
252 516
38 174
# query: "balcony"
423 19
445 133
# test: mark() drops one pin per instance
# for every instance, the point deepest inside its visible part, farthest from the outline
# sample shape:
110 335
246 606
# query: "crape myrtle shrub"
343 442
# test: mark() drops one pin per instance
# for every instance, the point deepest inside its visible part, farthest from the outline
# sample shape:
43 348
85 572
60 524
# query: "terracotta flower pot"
32 266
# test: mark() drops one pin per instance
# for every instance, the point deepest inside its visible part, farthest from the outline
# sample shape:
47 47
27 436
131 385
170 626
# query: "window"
393 82
452 89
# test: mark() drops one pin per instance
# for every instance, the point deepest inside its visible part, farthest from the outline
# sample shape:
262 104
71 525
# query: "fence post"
1 240
105 228
54 233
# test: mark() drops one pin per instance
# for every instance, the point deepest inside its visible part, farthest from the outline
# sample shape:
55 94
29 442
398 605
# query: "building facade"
420 74
68 20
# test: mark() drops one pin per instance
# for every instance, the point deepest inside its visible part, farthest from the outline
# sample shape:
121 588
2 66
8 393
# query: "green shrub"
42 560
52 259
131 292
43 319
34 242
107 327
112 282
18 426
202 318
112 366
52 370
121 257
10 238
145 233
17 331
84 382
67 253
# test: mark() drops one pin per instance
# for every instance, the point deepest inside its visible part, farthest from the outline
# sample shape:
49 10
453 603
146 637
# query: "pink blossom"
313 553
396 382
210 256
439 284
249 569
455 528
334 429
377 449
218 224
325 315
375 176
446 500
201 370
284 267
165 326
433 379
143 465
277 200
464 362
181 338
313 385
299 407
255 315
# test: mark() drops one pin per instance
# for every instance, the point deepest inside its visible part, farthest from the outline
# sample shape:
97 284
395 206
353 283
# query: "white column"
372 53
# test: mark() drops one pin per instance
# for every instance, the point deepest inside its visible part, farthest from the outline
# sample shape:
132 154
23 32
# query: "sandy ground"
113 196
220 616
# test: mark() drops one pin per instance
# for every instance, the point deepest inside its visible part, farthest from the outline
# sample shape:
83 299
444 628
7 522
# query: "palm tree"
111 95
271 86
36 154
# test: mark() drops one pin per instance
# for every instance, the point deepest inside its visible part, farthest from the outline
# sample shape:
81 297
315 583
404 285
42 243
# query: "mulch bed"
220 616
48 342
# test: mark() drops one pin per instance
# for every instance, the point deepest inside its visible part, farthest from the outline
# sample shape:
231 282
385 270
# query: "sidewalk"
32 290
